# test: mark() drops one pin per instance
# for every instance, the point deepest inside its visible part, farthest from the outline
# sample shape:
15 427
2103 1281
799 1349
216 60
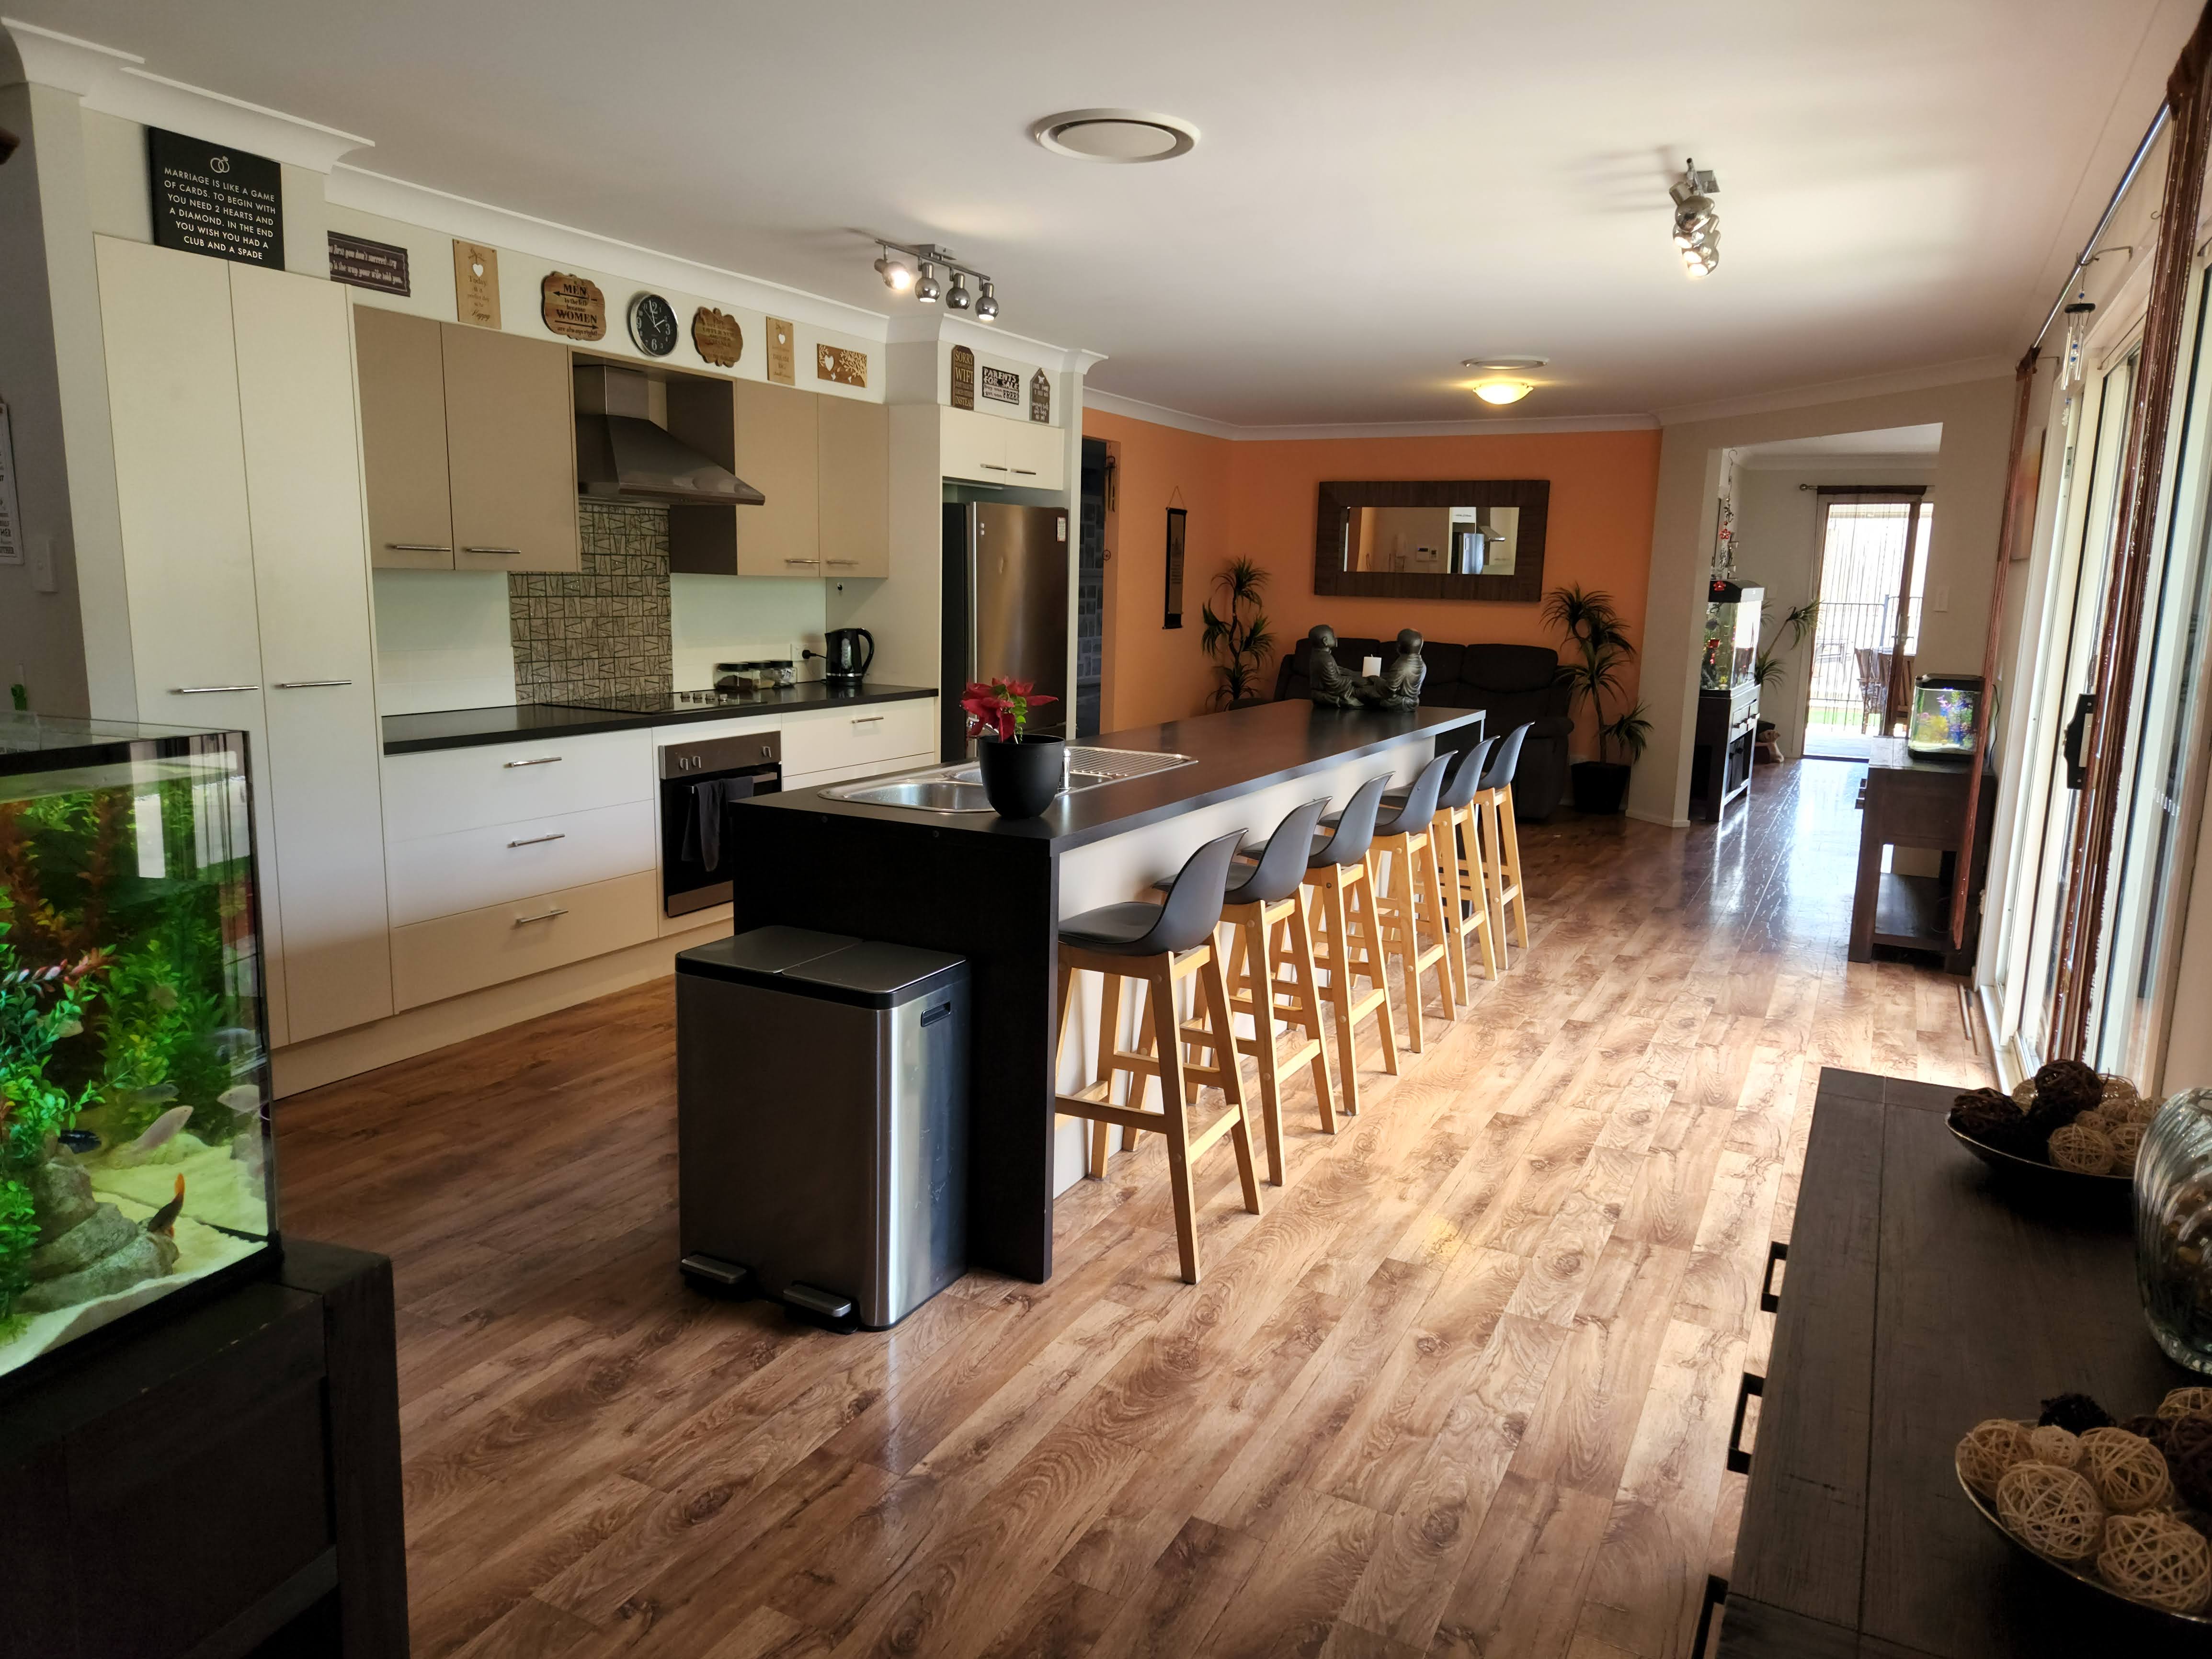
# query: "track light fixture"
897 264
1696 221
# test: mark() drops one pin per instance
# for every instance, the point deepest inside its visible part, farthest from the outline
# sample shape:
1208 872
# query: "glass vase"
2173 1227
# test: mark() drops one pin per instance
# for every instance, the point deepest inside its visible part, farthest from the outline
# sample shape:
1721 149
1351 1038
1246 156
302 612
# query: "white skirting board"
305 1065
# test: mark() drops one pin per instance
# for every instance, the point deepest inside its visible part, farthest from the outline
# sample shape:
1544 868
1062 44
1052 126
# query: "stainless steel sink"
960 788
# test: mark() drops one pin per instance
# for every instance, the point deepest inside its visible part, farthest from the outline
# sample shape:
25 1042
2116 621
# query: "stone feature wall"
604 631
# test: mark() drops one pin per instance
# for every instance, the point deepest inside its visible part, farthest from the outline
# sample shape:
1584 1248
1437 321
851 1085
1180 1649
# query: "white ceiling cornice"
114 82
1836 392
1503 426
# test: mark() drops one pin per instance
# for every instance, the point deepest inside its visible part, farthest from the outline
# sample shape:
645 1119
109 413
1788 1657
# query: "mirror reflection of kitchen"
1438 541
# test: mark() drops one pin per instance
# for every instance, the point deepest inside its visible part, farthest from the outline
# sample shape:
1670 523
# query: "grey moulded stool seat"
1160 946
1492 809
1270 974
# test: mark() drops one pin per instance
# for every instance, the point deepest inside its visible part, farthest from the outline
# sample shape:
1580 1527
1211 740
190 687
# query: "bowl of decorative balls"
2066 1123
2126 1507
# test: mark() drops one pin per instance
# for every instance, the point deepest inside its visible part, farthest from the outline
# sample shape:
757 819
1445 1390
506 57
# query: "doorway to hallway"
1873 553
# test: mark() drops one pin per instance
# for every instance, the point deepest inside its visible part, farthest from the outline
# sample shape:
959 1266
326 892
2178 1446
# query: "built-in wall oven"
700 782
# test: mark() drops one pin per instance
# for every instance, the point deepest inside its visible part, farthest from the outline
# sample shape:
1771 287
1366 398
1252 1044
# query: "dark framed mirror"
1468 538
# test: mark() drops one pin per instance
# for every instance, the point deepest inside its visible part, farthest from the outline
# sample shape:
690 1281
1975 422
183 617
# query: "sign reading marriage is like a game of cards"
209 199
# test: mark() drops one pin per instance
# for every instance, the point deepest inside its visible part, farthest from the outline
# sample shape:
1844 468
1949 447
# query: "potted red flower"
1022 772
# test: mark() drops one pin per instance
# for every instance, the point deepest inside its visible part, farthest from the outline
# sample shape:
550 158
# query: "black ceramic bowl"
2029 1171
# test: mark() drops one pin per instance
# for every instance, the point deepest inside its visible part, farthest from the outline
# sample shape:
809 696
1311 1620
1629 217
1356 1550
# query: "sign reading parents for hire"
1002 385
208 199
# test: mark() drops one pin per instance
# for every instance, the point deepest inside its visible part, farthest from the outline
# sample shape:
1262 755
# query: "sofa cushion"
1444 663
1509 667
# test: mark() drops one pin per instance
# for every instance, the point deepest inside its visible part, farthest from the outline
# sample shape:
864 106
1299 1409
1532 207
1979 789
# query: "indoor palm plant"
1592 655
1239 641
1021 771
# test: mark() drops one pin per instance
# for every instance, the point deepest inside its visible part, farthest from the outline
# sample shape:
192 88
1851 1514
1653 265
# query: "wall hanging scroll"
1176 519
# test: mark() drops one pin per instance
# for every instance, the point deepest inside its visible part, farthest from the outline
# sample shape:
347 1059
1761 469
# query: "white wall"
442 640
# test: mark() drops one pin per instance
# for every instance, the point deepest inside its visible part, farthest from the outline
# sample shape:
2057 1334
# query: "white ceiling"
1893 440
1380 190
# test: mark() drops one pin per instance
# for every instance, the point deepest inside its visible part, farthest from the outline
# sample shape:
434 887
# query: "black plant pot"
1601 787
1021 779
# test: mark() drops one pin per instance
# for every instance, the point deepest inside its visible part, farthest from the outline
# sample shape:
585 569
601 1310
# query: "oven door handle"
533 841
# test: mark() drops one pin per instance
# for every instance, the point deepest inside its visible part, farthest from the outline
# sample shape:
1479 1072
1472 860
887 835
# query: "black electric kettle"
842 664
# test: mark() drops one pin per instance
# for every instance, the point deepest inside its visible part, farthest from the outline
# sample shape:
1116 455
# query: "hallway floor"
1463 1389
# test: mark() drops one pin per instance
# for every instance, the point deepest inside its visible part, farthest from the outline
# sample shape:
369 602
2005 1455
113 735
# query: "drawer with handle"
851 737
441 790
498 864
446 956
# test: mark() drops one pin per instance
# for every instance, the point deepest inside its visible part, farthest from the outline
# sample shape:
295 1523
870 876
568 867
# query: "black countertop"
1234 753
466 728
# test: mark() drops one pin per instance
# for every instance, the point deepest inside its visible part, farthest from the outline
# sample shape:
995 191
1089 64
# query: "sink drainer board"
959 788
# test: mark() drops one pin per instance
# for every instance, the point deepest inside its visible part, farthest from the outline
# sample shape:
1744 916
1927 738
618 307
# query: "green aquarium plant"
40 1008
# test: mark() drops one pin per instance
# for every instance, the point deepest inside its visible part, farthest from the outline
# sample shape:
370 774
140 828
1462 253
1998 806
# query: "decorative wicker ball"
2159 1558
2190 1460
1991 1447
1989 1117
2082 1148
2053 1511
2049 1444
2143 1111
2067 1086
2119 1094
2185 1402
2077 1411
2023 1093
2128 1472
2127 1144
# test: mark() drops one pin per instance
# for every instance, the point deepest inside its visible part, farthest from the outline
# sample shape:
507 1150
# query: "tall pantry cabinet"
238 475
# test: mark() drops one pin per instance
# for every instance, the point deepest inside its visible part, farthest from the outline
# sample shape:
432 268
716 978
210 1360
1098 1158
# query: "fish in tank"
134 1154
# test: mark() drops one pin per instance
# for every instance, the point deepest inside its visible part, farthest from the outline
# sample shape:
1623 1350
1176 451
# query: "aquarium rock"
99 1234
62 1195
145 1255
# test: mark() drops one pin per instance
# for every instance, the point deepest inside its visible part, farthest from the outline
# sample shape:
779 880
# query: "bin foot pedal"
816 1306
716 1277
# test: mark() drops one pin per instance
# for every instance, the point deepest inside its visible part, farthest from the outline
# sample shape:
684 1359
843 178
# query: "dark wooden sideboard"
1920 1295
1917 803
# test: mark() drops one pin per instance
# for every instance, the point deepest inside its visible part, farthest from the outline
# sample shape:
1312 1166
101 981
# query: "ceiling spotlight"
897 275
1696 221
987 303
956 298
926 289
1503 392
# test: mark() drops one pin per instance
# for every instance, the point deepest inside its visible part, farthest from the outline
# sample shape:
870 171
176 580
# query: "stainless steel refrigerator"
1005 608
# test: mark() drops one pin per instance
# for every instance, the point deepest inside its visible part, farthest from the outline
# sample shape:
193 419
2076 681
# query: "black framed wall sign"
210 199
1176 518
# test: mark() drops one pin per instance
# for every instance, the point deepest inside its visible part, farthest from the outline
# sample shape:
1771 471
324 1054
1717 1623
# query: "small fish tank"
135 1147
1732 614
1947 711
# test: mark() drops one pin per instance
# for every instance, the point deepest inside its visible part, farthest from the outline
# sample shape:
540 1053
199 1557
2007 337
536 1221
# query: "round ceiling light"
1115 135
1503 392
1502 388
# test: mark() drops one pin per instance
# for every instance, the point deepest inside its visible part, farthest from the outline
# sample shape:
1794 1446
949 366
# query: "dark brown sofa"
1511 683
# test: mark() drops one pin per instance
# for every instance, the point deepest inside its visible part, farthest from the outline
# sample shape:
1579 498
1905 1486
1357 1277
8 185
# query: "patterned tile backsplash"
605 631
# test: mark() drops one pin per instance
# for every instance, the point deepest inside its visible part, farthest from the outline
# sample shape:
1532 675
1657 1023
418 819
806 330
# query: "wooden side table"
1909 802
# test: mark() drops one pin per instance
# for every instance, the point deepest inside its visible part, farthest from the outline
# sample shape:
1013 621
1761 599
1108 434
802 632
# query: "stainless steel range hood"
622 455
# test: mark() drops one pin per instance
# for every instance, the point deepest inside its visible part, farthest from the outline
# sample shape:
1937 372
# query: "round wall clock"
653 325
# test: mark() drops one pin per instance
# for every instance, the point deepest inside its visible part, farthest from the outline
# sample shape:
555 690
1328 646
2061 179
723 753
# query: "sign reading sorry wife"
214 200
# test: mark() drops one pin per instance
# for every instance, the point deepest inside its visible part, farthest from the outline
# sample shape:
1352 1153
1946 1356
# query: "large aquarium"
135 1142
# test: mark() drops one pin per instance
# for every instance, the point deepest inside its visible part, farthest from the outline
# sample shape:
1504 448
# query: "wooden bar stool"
1160 946
1501 855
1459 853
1347 943
1412 897
1271 935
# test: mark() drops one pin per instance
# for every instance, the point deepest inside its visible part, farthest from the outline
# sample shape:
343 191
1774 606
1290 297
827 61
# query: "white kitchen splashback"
742 619
442 640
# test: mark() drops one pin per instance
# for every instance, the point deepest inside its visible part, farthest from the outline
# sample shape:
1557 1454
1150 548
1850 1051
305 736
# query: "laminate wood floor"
1463 1389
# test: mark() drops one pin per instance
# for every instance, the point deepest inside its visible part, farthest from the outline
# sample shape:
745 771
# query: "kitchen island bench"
993 890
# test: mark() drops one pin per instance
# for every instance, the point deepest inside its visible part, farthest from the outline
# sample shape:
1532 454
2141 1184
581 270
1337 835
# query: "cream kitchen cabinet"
854 449
238 475
1020 454
469 440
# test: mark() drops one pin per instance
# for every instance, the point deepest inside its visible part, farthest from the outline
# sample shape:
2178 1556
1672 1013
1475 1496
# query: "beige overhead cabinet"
855 467
769 436
1019 454
469 440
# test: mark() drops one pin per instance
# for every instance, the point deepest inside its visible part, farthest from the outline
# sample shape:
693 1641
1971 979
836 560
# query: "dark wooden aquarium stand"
223 1484
1922 804
1918 1296
1721 751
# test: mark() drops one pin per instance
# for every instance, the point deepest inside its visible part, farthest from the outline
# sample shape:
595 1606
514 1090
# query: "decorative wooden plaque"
963 378
476 284
1041 397
838 363
359 263
782 347
717 335
574 306
1002 385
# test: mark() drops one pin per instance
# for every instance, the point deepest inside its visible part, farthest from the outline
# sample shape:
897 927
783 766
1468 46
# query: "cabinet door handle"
804 564
1026 471
841 561
307 685
204 691
867 720
542 760
532 841
1754 1388
990 466
1769 1300
543 915
423 547
505 552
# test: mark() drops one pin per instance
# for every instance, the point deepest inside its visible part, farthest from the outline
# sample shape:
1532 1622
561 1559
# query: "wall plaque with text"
1041 397
782 352
1002 385
573 305
359 263
209 199
476 284
838 363
963 378
716 335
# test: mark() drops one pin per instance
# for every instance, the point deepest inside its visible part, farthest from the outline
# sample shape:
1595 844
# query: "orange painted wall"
1604 488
